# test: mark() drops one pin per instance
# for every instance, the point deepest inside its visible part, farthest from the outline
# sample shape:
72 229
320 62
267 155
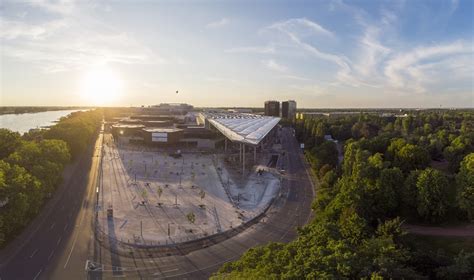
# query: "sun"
101 86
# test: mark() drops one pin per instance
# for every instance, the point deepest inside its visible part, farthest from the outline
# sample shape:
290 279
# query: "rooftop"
244 128
120 125
162 129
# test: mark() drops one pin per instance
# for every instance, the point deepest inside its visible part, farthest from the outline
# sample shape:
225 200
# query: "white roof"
244 128
162 129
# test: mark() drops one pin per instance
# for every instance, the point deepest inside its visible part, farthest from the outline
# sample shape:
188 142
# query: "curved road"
291 210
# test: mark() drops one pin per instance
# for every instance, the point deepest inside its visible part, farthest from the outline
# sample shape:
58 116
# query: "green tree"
21 195
9 142
387 198
432 195
191 217
409 191
326 153
465 186
411 157
461 268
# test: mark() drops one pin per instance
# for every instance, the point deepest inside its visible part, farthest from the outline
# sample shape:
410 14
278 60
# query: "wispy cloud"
66 43
63 7
454 6
301 25
344 73
312 89
274 66
294 77
219 23
372 52
214 79
269 49
406 70
17 29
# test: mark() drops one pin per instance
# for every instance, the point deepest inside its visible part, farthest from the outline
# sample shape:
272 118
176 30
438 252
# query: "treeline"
394 169
31 167
417 147
22 110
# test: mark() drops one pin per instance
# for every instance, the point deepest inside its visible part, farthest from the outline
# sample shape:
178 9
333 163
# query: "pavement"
64 242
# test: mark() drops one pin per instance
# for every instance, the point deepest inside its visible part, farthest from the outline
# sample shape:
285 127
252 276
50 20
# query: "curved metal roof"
244 128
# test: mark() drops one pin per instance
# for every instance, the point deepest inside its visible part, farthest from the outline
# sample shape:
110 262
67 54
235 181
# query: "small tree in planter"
159 191
144 194
191 217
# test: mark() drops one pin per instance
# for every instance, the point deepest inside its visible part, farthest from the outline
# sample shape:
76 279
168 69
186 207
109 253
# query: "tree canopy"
31 167
394 168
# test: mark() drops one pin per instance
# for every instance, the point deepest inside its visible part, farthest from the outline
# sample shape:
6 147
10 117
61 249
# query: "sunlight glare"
101 86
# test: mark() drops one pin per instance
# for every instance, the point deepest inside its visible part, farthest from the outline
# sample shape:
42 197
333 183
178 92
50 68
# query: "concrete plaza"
160 199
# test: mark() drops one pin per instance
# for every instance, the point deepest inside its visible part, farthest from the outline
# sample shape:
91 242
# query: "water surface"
24 122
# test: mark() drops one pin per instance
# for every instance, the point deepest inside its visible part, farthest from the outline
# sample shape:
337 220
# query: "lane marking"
52 226
34 253
51 255
171 270
65 227
37 274
59 240
81 220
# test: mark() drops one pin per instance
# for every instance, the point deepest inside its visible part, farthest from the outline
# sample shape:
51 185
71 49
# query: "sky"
322 54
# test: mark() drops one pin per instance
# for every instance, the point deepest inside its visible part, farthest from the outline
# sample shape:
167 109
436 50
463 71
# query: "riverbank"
4 110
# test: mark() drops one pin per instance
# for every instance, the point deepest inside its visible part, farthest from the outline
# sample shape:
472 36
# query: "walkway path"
453 231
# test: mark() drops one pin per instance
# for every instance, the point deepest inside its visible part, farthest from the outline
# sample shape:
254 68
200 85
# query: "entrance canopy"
243 128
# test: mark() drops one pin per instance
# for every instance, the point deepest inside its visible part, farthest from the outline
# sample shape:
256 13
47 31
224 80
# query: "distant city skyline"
324 54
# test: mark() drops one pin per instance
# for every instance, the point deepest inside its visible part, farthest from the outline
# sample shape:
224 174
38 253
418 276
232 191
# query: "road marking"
37 274
65 227
34 253
80 223
51 255
59 240
52 226
171 270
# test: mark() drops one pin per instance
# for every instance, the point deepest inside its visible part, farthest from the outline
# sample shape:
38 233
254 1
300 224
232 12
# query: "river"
24 122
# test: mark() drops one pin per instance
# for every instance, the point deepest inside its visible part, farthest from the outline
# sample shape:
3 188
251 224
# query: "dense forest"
31 166
417 168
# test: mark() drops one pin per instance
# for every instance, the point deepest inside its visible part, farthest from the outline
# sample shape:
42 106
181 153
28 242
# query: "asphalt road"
52 239
64 242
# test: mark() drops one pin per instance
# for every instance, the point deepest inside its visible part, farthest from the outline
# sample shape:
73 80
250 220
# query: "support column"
255 154
243 161
240 152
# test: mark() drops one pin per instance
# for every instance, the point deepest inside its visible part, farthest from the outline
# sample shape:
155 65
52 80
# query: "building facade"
288 109
272 108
